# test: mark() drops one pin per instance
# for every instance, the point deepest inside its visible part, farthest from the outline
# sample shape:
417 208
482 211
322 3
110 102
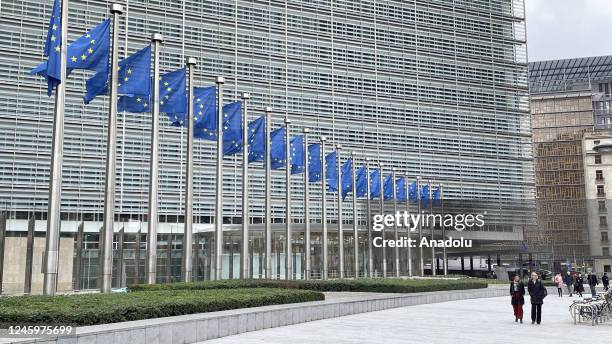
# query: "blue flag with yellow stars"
425 194
257 139
413 193
400 192
277 148
52 69
362 181
172 98
388 187
374 184
297 155
347 177
134 78
314 162
331 171
437 195
232 128
206 124
90 51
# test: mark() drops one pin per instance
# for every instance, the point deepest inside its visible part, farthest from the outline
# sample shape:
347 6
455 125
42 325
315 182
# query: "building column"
27 284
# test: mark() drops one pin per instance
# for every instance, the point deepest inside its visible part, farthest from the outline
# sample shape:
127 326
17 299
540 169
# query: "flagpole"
418 196
288 234
244 252
188 231
395 234
382 212
111 152
443 232
409 230
219 181
433 249
324 208
268 197
340 232
369 220
355 229
51 258
156 40
306 131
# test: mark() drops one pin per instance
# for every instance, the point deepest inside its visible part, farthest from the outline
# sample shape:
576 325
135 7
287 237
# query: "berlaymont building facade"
434 88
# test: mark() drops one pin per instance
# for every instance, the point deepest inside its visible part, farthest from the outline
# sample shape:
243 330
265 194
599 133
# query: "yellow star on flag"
73 59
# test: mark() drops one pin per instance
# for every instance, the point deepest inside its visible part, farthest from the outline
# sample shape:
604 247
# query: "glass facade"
434 88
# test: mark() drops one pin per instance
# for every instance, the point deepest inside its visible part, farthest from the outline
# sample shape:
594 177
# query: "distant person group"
537 291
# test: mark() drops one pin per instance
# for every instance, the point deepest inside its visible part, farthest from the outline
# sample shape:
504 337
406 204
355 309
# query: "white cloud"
559 29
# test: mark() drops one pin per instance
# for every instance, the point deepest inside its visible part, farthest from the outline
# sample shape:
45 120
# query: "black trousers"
536 313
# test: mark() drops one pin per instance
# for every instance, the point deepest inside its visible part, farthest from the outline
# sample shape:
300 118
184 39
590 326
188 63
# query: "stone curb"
193 328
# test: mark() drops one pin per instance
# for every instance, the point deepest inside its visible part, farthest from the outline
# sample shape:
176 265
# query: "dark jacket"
593 281
578 284
537 291
517 299
568 279
605 280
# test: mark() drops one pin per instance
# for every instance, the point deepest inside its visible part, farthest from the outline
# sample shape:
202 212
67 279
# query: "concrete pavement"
471 321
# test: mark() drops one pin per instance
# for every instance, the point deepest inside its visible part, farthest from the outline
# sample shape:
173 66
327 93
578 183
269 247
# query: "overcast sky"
559 29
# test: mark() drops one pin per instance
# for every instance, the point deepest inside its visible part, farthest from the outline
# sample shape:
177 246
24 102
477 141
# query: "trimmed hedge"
379 285
93 309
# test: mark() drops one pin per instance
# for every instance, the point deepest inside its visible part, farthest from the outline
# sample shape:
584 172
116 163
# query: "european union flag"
134 78
362 181
52 70
172 98
331 171
297 155
388 187
90 51
257 139
314 162
232 128
277 148
425 194
413 193
400 192
374 184
205 110
437 196
347 177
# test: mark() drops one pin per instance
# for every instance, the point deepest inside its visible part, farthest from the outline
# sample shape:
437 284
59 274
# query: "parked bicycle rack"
596 310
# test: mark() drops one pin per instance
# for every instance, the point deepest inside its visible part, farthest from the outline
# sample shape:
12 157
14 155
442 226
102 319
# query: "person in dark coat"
569 282
517 292
605 281
593 282
578 285
537 292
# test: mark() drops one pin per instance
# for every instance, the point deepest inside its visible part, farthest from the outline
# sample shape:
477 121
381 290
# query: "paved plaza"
472 321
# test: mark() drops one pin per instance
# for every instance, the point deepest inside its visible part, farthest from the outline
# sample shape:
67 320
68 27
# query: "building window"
604 236
599 175
607 268
605 251
598 159
600 191
602 205
603 220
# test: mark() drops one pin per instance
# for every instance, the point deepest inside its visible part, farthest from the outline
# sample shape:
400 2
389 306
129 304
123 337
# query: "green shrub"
379 285
92 309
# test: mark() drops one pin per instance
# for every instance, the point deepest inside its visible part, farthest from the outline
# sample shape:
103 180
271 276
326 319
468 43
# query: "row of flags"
91 52
135 86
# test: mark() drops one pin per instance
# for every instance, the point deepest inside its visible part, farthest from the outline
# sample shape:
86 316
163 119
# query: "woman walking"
517 291
559 282
537 292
